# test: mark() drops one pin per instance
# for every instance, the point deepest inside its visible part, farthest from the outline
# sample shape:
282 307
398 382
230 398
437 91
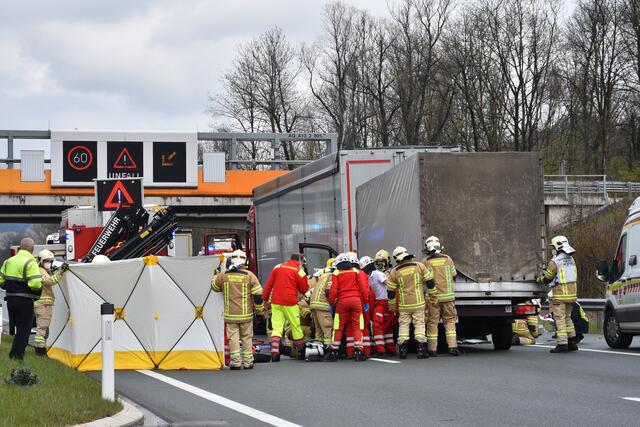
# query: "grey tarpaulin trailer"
315 204
488 211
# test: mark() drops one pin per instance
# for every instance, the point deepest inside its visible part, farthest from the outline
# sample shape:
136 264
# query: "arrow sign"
117 194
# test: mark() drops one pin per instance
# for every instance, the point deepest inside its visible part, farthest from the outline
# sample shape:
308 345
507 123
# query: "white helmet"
364 261
342 259
100 259
46 254
400 254
432 244
561 243
238 258
353 258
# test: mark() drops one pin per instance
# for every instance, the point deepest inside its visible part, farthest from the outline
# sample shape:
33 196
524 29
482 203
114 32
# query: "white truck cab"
622 307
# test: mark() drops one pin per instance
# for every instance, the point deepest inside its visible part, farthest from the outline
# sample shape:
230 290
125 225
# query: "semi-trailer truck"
492 203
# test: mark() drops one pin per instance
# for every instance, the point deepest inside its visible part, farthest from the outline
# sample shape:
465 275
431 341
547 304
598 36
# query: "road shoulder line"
220 400
591 350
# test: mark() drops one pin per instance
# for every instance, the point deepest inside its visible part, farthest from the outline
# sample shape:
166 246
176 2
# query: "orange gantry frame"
238 183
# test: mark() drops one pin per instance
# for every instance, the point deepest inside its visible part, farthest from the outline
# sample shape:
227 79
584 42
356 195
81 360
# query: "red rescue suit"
348 293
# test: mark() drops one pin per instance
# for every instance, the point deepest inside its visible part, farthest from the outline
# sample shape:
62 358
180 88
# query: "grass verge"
63 397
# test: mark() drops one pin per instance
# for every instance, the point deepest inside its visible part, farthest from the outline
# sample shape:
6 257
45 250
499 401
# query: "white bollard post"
108 375
1 321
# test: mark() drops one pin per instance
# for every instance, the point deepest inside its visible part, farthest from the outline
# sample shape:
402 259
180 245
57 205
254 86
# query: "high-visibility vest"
566 278
20 276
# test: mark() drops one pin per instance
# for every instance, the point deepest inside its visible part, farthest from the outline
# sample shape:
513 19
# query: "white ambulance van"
622 308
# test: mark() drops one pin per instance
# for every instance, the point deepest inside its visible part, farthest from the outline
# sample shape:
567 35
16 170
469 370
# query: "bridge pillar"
10 150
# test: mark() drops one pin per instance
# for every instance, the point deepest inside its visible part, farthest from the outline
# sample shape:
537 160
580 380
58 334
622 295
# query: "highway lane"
524 386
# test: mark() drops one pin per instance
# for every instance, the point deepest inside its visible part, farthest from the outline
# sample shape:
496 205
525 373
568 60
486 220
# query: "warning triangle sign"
119 196
125 160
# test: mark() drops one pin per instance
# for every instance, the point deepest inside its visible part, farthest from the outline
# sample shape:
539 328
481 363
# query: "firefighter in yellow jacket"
319 304
442 298
408 279
562 277
44 306
242 295
525 331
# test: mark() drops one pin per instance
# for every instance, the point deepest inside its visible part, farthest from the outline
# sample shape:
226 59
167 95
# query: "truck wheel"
614 337
502 336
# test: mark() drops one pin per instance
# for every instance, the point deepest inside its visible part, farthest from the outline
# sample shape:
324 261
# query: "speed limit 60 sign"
80 161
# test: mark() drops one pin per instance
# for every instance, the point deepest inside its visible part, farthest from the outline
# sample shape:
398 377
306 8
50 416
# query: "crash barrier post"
108 373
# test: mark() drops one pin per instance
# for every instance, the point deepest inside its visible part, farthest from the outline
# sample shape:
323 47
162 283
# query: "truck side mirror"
633 260
602 271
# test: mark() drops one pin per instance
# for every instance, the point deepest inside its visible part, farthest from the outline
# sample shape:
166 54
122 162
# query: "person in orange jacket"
285 282
348 294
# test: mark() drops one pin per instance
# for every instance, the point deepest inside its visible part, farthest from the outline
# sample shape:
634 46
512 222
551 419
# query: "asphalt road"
523 386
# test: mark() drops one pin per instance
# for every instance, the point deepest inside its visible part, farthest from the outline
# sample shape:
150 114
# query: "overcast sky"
132 64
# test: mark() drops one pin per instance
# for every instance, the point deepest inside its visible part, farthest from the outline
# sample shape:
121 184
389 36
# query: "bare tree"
418 26
332 74
594 43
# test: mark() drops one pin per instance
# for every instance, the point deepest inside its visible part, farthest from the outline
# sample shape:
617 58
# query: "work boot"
560 348
332 356
420 353
432 353
378 354
301 352
402 351
235 368
41 351
248 366
573 344
359 355
275 357
454 351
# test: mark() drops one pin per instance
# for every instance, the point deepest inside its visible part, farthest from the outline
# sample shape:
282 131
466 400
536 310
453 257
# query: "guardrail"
592 304
588 184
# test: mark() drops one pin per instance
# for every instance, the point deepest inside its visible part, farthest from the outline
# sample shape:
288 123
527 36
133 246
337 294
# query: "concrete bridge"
221 202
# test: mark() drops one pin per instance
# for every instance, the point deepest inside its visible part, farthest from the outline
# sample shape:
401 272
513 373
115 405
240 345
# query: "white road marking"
215 398
592 350
375 359
633 399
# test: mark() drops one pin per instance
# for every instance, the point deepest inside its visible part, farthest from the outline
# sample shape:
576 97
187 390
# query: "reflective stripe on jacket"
348 284
20 276
562 271
408 279
239 288
48 281
444 272
318 297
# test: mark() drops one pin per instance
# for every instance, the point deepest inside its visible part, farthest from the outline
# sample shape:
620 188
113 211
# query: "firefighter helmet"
46 254
365 261
238 258
561 243
382 255
400 254
342 262
330 262
432 244
353 259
